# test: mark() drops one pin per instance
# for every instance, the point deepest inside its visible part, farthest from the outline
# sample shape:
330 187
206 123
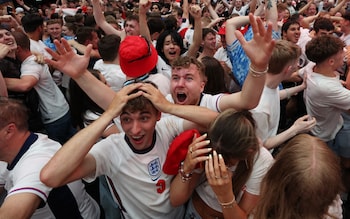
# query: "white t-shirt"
221 55
267 113
24 177
113 74
207 100
163 68
162 82
262 162
304 38
39 47
242 11
188 38
325 99
137 175
52 103
345 39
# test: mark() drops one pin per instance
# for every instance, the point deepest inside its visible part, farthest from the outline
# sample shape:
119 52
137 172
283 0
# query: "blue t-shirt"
49 42
240 61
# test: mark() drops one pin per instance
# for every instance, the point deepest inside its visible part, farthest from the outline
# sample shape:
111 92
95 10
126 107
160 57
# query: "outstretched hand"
67 61
259 49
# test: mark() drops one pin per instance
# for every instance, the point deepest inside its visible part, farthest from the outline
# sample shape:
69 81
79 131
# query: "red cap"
137 56
178 150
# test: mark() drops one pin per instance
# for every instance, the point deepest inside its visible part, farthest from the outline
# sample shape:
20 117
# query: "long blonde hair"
302 183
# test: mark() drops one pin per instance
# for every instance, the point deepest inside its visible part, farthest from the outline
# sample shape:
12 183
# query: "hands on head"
122 97
134 90
218 176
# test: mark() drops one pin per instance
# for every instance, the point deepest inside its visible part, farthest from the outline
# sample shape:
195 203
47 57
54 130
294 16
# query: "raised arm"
11 22
68 62
82 48
271 13
338 7
185 9
72 161
305 7
101 21
306 21
23 5
144 30
212 12
259 51
196 13
232 25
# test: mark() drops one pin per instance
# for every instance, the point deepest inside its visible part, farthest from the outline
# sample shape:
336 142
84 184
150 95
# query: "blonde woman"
304 182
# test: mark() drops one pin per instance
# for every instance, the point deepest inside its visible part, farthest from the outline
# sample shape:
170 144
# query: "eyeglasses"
155 8
144 56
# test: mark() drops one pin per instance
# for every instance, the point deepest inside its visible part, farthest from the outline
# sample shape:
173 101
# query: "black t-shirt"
10 68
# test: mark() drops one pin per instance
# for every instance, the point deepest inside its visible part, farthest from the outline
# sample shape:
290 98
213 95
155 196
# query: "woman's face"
312 10
171 49
155 8
286 14
66 31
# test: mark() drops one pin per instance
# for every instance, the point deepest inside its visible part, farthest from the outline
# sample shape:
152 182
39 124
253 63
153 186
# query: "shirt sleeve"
262 164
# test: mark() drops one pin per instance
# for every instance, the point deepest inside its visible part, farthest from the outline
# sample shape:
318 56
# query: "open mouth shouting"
181 97
137 139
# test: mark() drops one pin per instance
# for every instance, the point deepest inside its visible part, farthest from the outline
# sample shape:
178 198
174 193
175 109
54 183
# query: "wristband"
257 74
184 176
228 204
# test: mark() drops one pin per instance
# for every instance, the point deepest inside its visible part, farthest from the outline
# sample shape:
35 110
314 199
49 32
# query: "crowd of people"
175 109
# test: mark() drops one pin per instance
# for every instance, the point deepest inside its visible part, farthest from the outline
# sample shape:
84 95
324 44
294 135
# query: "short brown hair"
283 54
13 111
186 61
322 47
